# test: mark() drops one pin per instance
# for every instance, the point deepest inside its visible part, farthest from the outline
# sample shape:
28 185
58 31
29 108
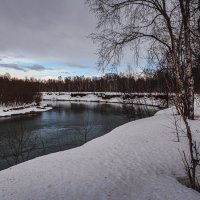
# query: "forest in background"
19 91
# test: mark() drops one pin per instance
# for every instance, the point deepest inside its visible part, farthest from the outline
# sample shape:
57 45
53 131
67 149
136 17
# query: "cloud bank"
46 30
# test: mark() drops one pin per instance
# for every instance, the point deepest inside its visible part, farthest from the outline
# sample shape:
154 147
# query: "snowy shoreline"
139 160
22 110
99 97
147 99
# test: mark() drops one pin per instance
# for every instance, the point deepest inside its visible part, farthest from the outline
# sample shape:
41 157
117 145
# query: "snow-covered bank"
21 110
107 97
138 161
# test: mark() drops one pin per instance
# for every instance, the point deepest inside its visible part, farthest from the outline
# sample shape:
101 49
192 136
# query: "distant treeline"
150 82
111 83
19 91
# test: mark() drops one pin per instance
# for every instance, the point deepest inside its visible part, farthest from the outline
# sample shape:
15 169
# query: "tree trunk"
190 92
186 60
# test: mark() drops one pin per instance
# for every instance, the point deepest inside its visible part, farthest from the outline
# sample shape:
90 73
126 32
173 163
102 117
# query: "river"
67 125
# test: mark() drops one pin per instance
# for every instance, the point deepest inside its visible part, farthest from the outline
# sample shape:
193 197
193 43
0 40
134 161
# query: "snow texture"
98 97
21 110
137 161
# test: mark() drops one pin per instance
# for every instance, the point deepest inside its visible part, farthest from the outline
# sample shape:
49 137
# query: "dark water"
67 126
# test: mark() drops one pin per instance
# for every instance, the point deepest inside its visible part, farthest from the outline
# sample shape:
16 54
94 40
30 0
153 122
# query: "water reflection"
67 126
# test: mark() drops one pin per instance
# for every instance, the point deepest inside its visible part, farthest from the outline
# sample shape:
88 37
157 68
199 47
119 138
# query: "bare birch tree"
166 26
169 30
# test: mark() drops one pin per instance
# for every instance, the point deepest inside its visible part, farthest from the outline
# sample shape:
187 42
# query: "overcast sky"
46 38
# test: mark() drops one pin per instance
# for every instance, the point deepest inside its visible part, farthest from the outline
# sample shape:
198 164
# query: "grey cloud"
78 65
47 29
38 68
65 72
24 68
13 66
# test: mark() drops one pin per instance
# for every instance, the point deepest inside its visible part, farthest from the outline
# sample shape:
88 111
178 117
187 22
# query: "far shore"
22 110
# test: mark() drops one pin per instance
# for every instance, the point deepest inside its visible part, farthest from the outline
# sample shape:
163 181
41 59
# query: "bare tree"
86 128
17 145
169 28
164 25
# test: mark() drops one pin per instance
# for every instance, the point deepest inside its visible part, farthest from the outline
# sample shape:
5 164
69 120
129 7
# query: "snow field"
139 161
